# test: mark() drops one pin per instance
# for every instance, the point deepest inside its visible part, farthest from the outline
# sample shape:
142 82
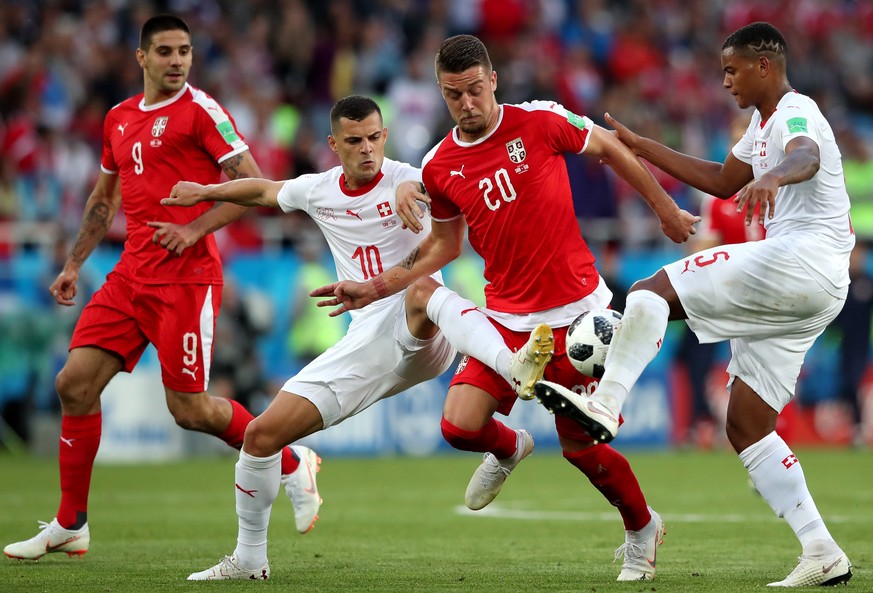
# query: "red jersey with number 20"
153 147
512 187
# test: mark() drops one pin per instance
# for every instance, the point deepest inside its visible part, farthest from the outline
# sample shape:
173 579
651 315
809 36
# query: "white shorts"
377 358
761 299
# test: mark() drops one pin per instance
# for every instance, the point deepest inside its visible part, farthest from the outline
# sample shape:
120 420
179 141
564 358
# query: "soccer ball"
588 339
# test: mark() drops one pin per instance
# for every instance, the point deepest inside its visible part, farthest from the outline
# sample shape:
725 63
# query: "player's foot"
489 477
301 488
51 538
640 550
822 563
526 366
228 570
598 420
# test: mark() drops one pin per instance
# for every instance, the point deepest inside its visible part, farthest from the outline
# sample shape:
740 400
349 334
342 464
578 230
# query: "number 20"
504 184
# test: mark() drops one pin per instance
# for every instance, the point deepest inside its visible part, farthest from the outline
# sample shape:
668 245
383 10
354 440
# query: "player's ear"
331 142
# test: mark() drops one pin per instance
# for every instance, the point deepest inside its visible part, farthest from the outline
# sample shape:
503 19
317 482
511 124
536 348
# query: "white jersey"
361 226
815 212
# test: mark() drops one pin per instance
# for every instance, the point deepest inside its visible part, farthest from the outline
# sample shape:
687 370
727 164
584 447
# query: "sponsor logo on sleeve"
797 124
227 132
576 120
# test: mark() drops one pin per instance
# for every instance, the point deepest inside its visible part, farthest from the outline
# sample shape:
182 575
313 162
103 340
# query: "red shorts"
559 370
124 316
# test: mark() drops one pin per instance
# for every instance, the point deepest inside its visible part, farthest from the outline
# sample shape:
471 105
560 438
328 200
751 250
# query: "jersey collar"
173 99
354 193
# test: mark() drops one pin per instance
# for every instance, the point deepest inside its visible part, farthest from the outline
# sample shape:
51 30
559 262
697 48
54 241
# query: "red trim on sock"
495 437
609 472
80 439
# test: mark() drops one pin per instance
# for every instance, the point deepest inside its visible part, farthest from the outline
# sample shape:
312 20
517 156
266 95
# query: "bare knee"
198 411
419 292
259 441
77 395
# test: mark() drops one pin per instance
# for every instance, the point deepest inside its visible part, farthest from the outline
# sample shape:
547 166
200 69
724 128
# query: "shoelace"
492 471
44 525
630 550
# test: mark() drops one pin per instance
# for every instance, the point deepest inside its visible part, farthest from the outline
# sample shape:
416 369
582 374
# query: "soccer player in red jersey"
170 132
500 175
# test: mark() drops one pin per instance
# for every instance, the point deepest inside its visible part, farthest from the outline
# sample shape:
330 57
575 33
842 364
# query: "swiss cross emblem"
159 126
789 461
384 209
516 151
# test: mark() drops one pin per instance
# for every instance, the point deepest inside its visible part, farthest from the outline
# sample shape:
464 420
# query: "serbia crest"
516 151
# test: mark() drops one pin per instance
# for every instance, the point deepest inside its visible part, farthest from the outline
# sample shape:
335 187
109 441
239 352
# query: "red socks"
611 474
80 439
495 437
235 432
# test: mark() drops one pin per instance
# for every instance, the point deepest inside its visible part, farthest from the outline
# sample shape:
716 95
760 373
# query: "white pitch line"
494 511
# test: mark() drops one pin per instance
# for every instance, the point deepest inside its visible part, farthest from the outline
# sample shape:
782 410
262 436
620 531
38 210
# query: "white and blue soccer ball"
588 340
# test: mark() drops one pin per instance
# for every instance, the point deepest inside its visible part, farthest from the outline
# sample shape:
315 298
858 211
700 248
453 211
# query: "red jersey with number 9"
512 187
153 147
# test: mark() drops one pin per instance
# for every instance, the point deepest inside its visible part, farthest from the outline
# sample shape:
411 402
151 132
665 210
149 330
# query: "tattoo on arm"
231 167
94 226
409 260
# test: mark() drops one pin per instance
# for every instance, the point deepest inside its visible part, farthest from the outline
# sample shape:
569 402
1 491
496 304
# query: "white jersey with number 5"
362 229
815 212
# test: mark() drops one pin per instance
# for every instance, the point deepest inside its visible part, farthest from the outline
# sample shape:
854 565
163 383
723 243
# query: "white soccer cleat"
822 564
640 551
51 538
301 488
598 420
227 570
489 477
527 366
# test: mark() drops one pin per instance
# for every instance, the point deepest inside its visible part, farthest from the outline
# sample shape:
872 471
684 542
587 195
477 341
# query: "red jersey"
153 147
724 224
512 188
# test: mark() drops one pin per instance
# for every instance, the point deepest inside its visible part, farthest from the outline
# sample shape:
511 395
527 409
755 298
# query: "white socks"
635 343
256 486
468 329
777 475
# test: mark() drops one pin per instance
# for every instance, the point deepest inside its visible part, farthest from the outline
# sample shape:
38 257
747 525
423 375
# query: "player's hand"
762 191
174 237
345 296
411 205
680 227
185 193
623 133
63 289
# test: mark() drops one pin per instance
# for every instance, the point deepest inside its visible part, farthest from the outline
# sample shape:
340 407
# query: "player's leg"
79 385
471 332
468 425
288 418
778 476
611 474
636 341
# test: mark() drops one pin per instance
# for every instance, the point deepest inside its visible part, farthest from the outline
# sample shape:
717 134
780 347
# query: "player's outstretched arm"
676 223
442 245
722 180
100 210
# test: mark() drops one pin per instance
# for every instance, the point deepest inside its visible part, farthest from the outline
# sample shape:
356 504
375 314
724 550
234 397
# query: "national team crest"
159 126
516 151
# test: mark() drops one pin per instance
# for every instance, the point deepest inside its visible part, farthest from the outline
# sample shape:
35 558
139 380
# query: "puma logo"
687 267
68 442
244 491
190 372
121 128
459 172
355 214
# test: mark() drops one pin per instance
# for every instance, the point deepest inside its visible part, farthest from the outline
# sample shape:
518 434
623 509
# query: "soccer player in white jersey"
770 298
390 346
501 173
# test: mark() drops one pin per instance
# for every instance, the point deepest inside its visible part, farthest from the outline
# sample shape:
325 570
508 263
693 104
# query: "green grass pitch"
397 525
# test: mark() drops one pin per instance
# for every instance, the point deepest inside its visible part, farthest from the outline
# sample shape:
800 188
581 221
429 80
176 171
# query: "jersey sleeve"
742 150
216 129
294 194
107 158
792 123
406 172
441 207
564 130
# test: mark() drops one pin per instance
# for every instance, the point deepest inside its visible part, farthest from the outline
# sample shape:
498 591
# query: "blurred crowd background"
279 65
